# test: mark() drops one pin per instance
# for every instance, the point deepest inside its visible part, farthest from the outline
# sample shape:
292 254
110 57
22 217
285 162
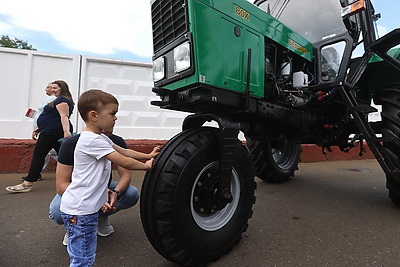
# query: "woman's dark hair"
64 90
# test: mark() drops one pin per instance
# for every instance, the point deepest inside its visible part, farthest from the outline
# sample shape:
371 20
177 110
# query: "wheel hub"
205 196
210 210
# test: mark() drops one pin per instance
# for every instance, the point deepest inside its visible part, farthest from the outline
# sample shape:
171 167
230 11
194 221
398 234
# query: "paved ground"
332 214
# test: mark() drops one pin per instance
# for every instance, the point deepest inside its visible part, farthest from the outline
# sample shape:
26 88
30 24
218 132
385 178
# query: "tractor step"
375 143
365 109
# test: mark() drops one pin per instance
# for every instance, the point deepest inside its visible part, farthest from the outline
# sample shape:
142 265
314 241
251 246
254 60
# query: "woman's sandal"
19 188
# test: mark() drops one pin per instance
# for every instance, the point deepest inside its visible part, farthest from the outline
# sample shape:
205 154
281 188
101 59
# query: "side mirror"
331 59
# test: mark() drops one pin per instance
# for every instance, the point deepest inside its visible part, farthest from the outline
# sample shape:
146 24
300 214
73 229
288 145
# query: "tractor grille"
169 20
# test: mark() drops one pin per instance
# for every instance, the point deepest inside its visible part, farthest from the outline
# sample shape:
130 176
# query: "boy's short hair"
93 100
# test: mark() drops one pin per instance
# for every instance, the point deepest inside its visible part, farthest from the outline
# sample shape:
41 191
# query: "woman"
52 125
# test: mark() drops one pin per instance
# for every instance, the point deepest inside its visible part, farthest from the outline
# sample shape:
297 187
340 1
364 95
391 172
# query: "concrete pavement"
334 213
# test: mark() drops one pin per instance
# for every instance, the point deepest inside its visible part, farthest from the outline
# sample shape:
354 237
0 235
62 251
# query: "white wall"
24 74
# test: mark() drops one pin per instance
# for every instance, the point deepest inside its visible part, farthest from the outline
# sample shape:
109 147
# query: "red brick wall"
16 154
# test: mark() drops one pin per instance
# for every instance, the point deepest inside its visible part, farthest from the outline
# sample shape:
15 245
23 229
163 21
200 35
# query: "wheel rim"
283 153
202 200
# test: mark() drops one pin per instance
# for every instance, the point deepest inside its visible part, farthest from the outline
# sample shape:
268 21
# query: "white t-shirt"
87 191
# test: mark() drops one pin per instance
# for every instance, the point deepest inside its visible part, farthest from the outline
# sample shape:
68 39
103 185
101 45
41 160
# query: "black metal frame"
229 130
360 112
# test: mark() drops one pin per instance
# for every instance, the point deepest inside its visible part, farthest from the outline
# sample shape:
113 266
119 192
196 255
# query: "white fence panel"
24 74
131 83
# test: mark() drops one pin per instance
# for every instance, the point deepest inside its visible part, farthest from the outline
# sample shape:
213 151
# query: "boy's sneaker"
104 228
65 240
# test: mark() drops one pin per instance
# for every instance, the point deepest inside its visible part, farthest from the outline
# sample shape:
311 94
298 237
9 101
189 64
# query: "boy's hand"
107 207
110 205
155 152
150 163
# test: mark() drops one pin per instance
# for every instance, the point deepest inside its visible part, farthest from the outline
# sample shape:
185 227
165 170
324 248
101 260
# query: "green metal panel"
221 54
253 17
394 53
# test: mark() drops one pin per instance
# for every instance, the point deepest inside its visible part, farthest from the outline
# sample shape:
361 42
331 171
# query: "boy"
129 195
87 193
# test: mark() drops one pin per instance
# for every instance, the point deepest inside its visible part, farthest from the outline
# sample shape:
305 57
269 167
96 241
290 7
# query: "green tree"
6 41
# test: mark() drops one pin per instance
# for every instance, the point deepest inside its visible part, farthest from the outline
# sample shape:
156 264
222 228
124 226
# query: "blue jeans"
127 199
82 241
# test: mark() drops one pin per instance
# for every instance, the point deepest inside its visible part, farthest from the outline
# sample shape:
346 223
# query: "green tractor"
280 75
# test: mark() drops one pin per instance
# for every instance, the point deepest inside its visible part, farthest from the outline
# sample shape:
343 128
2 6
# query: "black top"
66 152
50 120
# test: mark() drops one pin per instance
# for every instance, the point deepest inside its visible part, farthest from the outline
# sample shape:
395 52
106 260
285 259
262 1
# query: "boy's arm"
136 154
129 163
63 177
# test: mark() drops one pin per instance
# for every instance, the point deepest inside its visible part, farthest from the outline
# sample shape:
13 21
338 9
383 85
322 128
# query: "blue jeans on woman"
127 199
82 241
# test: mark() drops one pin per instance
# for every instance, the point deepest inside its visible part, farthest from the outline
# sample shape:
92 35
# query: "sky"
119 29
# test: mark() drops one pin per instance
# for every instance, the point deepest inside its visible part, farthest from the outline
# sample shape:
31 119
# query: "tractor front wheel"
180 208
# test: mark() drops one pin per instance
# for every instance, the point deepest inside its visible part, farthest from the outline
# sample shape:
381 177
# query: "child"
87 193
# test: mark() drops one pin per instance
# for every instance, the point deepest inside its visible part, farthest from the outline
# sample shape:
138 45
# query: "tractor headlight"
158 69
182 57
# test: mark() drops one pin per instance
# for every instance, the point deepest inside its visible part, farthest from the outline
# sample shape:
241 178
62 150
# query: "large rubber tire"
177 199
275 161
390 100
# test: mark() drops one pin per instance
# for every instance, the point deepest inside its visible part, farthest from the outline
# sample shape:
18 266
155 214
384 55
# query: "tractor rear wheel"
390 100
179 200
275 161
